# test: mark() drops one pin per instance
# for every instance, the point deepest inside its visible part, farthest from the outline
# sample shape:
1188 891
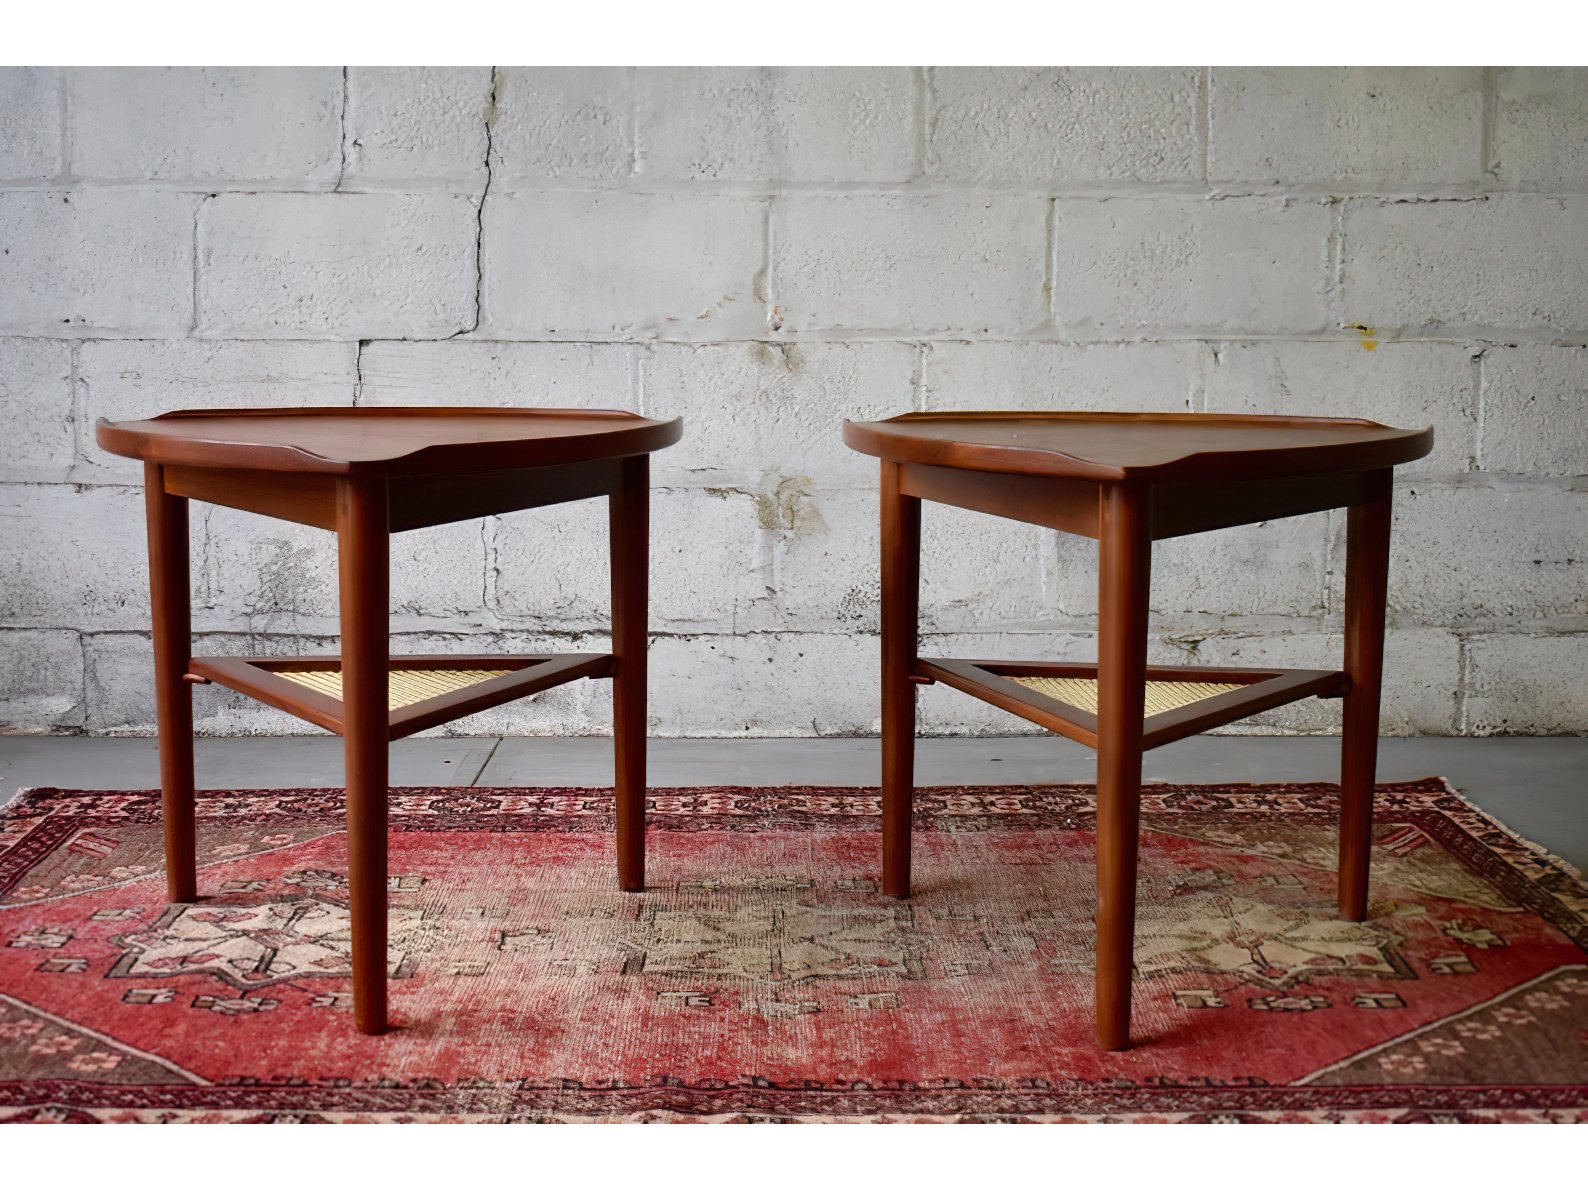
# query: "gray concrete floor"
1536 785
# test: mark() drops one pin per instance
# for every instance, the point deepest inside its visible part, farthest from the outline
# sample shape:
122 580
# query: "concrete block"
567 265
1274 568
139 378
118 679
764 684
1393 126
1422 675
267 576
1061 126
1540 118
240 126
72 557
36 409
1469 555
825 561
1535 410
550 568
1399 384
711 561
1133 266
43 691
561 123
921 263
438 575
710 566
1527 685
100 262
1511 261
1150 377
262 576
981 572
479 372
343 266
416 126
757 413
778 124
977 573
30 124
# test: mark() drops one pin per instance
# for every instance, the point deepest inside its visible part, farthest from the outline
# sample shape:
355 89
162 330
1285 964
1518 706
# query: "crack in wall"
479 213
341 172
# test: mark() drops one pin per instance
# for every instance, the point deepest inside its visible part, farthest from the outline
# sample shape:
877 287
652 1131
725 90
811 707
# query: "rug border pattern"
42 818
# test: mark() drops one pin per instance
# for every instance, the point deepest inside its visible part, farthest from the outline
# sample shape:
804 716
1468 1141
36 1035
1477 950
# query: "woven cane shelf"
1180 700
422 691
403 687
1161 696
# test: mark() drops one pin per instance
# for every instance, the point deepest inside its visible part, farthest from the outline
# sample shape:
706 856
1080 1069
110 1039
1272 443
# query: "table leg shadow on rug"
763 976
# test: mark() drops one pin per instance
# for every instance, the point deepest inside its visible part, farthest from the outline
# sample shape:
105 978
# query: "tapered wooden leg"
1367 540
365 608
630 543
1124 571
170 599
901 581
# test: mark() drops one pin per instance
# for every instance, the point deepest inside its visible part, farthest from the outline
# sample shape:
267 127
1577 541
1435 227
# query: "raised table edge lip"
874 438
129 439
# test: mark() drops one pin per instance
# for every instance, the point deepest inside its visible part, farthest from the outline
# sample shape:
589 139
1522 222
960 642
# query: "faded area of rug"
762 975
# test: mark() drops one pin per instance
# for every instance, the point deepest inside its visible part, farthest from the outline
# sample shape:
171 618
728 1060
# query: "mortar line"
1478 408
487 544
1197 397
1489 111
479 213
1205 122
643 367
198 212
341 172
923 94
768 254
82 653
78 406
636 393
1100 191
1464 335
1050 269
1463 665
1334 263
64 108
634 121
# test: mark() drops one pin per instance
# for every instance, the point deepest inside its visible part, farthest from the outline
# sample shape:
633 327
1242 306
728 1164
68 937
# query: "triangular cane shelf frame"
1237 693
423 690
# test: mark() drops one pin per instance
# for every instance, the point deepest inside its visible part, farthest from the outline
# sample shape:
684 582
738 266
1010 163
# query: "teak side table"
365 474
1127 480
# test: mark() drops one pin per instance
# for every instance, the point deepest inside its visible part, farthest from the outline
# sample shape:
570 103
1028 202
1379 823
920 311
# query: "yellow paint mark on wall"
1367 334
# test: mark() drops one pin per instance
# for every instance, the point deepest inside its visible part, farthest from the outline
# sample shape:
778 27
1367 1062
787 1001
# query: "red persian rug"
763 976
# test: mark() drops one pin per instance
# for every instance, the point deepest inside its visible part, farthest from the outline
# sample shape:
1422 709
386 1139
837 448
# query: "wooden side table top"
1127 446
390 440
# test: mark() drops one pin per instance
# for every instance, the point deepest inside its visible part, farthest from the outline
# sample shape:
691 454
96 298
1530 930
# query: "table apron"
1177 507
414 502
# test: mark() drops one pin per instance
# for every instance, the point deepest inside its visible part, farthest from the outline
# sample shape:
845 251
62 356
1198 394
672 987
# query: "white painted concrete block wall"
765 252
